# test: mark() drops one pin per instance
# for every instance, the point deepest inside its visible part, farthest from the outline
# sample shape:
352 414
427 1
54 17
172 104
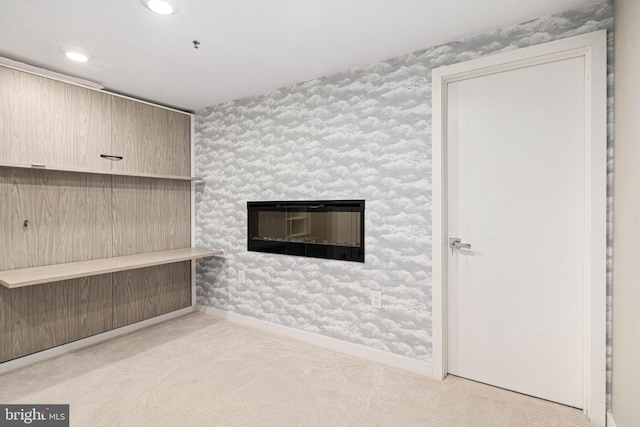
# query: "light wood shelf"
57 272
99 172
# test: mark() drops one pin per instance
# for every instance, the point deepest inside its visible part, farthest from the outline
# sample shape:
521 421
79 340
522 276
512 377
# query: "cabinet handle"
111 157
38 165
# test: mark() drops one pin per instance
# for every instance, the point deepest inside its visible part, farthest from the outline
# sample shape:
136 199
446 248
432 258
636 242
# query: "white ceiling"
247 46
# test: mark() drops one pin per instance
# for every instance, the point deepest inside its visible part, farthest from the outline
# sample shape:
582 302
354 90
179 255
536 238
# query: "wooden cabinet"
5 324
150 139
150 215
36 318
68 217
60 125
57 313
88 244
53 123
148 292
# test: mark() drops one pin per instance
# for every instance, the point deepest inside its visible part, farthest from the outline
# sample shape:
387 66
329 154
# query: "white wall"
626 233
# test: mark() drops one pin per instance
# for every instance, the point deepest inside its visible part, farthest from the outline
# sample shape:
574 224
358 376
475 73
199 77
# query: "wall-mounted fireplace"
331 229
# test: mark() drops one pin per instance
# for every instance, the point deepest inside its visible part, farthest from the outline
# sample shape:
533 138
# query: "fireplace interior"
331 229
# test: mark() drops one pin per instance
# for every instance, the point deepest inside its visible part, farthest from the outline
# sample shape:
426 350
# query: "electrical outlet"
241 276
376 299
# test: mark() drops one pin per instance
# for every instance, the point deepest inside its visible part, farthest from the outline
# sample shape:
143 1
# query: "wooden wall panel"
175 294
45 316
135 296
42 317
148 292
69 217
150 215
94 305
151 139
5 324
7 223
50 122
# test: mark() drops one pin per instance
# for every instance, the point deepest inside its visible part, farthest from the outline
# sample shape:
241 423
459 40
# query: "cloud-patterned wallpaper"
361 134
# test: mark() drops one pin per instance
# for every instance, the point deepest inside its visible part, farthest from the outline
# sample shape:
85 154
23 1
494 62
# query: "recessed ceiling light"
162 7
75 54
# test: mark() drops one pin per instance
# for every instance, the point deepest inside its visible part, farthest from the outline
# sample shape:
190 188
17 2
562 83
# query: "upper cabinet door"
150 139
52 123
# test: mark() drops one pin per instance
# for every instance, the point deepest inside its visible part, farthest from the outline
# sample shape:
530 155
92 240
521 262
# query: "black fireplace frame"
339 252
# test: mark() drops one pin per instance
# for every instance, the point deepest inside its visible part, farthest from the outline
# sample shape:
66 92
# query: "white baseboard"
420 367
21 362
610 421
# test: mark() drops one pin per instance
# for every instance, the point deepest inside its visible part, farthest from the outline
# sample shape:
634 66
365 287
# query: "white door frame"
593 48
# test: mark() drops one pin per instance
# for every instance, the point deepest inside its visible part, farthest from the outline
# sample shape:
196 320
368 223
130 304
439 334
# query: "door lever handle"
456 243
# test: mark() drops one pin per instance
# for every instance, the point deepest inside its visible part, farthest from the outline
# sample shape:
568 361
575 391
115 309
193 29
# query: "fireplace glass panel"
323 228
327 229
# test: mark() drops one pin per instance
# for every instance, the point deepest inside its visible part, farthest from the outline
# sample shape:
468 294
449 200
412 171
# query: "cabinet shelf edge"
98 172
57 272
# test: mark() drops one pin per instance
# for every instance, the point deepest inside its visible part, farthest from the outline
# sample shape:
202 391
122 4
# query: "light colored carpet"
199 371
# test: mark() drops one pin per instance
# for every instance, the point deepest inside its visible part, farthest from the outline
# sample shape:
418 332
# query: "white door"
516 194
